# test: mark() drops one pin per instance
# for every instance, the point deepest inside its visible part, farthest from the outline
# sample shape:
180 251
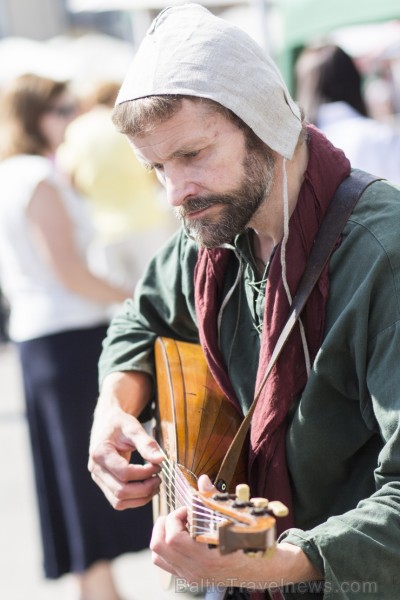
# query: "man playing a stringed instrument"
205 108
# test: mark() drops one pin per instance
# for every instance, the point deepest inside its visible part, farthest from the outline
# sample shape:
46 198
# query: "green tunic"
343 442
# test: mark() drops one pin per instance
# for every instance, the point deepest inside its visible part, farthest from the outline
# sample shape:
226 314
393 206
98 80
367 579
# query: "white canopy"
88 58
105 5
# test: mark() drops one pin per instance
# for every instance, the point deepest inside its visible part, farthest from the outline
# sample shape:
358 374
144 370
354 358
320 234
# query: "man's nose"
178 186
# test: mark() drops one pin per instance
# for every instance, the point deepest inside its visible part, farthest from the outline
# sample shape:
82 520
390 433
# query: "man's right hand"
115 435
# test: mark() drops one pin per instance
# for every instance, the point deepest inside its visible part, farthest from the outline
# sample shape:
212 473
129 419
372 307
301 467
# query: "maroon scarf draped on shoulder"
268 475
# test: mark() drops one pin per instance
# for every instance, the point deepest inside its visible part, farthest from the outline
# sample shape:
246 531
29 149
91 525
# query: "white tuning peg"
242 492
278 508
259 502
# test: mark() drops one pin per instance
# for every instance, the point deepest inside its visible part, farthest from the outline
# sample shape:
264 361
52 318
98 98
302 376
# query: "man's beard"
237 207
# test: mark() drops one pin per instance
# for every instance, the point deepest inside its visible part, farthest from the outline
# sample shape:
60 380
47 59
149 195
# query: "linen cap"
187 50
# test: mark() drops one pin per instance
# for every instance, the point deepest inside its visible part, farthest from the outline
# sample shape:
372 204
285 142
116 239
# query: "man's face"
214 182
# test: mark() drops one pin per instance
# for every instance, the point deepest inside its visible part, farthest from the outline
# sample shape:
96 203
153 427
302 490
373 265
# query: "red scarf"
268 475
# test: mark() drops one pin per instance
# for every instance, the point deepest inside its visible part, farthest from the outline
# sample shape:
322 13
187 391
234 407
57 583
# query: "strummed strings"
178 492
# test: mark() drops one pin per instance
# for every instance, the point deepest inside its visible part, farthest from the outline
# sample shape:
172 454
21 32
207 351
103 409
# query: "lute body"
195 426
196 422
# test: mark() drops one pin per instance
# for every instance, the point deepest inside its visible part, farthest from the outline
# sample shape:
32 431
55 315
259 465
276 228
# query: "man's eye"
192 154
158 167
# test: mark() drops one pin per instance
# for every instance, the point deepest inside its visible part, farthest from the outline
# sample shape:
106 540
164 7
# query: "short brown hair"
22 104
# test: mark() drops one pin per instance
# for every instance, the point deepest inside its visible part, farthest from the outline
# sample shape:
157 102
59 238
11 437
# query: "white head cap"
187 50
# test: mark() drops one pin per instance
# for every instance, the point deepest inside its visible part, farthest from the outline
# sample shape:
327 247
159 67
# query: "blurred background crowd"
80 218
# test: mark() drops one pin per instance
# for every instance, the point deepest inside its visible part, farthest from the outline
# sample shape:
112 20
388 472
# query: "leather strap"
340 209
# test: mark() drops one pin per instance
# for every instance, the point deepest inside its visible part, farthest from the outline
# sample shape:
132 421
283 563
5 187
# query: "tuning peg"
242 492
278 508
259 502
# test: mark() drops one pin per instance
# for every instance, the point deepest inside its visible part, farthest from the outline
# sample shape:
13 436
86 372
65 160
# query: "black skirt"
78 525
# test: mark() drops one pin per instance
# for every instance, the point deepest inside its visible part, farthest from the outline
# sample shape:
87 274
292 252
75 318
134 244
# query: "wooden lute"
195 426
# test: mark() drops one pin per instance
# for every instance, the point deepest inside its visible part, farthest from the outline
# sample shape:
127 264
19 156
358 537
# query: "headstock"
236 522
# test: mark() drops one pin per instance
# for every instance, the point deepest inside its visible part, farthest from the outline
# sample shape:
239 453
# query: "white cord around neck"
283 262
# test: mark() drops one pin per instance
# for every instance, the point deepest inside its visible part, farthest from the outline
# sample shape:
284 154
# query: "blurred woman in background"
329 90
58 318
129 208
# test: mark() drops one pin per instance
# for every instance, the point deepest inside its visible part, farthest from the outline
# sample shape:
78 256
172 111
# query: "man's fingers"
148 447
169 541
168 531
175 525
205 484
126 495
125 434
125 485
111 461
135 436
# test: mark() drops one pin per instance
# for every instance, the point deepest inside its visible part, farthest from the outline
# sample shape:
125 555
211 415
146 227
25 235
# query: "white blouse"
39 302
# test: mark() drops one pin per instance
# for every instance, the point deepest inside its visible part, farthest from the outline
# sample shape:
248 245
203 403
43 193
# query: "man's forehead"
168 144
192 123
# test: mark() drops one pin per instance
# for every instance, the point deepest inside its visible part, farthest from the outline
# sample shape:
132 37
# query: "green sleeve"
347 427
359 551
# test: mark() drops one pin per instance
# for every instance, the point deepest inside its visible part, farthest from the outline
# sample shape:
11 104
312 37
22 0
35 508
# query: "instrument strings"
180 493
